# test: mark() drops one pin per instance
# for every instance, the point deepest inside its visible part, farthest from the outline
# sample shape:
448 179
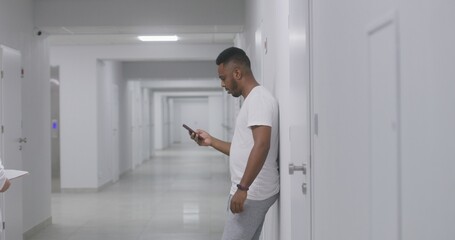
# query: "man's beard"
234 91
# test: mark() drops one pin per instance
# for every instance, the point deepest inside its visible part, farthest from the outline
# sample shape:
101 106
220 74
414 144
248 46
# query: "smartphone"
188 128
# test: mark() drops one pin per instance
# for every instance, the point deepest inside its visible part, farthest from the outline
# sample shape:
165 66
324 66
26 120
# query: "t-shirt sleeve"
260 111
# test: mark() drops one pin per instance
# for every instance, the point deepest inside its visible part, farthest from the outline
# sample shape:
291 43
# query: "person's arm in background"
204 139
4 182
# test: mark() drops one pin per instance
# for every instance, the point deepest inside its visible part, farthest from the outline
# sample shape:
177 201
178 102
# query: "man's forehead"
221 68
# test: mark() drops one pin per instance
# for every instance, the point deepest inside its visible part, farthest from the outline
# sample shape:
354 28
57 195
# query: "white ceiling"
121 21
128 35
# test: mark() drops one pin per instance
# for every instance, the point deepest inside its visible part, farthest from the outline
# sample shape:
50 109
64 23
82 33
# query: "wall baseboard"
40 226
86 190
123 174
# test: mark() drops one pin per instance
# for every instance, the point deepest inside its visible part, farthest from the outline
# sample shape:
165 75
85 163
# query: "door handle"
23 140
293 168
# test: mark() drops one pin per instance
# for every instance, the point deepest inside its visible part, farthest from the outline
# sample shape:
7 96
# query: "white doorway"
11 139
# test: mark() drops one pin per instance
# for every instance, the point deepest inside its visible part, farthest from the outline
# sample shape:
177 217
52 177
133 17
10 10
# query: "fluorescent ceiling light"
172 38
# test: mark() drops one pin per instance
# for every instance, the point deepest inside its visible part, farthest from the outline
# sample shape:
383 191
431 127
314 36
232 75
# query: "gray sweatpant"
247 225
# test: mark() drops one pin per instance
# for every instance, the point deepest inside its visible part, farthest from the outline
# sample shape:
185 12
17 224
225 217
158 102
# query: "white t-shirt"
260 108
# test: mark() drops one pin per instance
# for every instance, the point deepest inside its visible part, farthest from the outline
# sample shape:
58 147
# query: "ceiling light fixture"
171 38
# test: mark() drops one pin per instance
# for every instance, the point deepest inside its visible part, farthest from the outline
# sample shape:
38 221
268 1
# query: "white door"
135 118
384 128
299 171
11 138
145 124
115 160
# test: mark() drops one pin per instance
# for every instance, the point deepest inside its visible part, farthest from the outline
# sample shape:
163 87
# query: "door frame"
313 118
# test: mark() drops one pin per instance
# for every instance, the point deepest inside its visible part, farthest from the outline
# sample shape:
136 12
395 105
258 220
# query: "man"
253 151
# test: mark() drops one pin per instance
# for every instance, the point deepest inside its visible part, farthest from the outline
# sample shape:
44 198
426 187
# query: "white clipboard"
12 173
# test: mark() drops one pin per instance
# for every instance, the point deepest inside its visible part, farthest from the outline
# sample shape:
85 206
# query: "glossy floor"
179 194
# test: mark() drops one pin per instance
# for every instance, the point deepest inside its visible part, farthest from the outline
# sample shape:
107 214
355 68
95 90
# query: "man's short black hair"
233 54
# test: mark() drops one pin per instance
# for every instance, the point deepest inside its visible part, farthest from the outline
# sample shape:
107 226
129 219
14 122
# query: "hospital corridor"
349 133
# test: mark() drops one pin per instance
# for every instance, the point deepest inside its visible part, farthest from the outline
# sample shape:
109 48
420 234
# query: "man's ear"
237 74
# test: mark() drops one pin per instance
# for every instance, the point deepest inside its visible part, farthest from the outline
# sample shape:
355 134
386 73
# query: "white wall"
139 123
124 155
135 123
280 46
109 76
427 115
215 118
166 122
103 127
170 69
16 31
78 117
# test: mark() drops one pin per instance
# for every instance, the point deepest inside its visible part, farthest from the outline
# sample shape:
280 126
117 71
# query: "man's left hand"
237 201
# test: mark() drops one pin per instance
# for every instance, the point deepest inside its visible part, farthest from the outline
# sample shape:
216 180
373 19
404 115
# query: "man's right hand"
202 138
